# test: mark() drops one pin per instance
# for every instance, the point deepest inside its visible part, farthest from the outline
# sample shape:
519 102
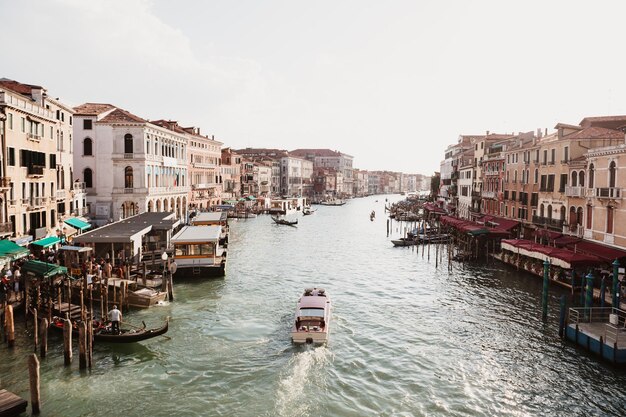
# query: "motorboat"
404 241
312 322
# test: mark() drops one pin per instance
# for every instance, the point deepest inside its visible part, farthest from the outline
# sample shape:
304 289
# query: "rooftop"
124 230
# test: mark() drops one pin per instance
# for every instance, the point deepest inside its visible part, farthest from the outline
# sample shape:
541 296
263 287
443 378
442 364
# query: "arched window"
549 211
541 211
562 213
88 175
128 143
581 178
609 219
591 176
574 179
128 177
536 176
87 147
589 216
612 169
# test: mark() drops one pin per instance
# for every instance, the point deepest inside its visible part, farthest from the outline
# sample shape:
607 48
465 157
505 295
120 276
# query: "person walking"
107 269
116 317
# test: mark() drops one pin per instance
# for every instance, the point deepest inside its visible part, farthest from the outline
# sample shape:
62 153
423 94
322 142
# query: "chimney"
487 134
546 132
38 94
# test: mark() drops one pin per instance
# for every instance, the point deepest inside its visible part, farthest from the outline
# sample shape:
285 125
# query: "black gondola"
285 222
102 333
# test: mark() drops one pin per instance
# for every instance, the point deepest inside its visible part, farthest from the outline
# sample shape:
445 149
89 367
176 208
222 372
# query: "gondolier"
116 317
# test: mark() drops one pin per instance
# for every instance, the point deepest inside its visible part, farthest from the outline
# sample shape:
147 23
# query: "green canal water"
407 338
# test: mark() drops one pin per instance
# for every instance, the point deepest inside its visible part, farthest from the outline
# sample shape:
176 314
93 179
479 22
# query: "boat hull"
201 271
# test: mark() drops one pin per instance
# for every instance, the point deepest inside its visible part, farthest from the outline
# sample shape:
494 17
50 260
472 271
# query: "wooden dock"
11 404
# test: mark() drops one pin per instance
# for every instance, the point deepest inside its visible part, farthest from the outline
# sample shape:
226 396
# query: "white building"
325 158
128 164
293 180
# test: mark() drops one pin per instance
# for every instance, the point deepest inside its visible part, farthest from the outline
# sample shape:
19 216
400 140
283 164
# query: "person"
116 317
107 269
17 275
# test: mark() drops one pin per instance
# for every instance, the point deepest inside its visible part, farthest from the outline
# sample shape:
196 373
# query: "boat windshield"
312 312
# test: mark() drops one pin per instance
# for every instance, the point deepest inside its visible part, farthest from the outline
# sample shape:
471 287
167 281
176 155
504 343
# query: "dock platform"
599 330
11 404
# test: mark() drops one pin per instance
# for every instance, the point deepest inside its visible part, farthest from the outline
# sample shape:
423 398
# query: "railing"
129 190
60 194
488 194
574 191
607 193
129 155
25 200
35 170
12 202
545 221
6 228
33 136
614 320
78 186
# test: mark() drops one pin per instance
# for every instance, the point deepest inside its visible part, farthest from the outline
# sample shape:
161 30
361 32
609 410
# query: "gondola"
102 332
285 222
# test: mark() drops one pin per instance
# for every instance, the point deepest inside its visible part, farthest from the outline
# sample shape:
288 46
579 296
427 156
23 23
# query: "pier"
11 404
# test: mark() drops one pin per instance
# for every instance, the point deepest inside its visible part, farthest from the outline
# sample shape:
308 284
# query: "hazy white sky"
390 82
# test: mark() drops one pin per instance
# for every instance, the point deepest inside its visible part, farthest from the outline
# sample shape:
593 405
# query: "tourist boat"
198 253
333 202
102 331
312 322
214 218
285 222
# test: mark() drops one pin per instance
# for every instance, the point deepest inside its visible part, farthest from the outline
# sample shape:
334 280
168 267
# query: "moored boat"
285 222
404 241
312 322
102 331
198 253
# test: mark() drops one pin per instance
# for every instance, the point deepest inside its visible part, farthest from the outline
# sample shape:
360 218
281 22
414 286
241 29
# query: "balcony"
130 190
78 186
544 221
25 201
488 194
5 183
33 137
6 228
12 202
607 193
35 171
129 155
60 195
575 191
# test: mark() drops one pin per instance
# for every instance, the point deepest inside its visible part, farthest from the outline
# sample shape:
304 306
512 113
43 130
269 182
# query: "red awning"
548 234
566 240
499 222
606 253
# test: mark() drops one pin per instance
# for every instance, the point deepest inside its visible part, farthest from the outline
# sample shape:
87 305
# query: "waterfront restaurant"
131 237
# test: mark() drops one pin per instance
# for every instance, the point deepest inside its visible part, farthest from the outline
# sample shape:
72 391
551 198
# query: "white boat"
198 253
312 322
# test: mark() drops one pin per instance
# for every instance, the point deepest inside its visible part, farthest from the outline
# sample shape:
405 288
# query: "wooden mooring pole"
33 376
82 345
67 342
10 325
43 351
35 328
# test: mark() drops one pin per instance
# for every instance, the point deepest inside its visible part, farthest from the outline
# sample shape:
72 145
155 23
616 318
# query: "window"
11 157
53 161
87 124
581 179
128 177
10 120
88 176
536 175
609 219
612 169
563 183
591 170
552 156
87 147
566 154
574 179
23 125
589 214
545 157
551 182
128 143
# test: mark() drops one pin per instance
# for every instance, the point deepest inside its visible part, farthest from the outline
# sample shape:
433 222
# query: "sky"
392 83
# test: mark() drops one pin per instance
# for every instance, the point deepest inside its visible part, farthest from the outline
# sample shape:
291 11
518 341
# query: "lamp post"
164 258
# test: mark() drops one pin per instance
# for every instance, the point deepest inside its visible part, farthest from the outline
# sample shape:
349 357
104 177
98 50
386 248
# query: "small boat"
333 202
312 323
307 211
102 331
404 241
145 297
285 222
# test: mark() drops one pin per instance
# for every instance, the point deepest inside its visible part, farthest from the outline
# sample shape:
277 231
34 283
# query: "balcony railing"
488 194
607 193
574 191
129 155
78 186
544 221
33 136
6 228
60 194
12 202
36 170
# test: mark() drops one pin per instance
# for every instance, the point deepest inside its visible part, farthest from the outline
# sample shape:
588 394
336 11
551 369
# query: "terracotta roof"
610 122
92 109
17 87
314 152
121 116
595 133
169 124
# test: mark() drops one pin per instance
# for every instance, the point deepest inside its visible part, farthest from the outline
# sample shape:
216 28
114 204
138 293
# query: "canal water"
408 338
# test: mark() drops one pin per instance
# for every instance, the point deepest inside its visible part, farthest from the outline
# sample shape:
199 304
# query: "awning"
43 269
77 223
12 250
606 253
499 222
559 257
79 249
46 242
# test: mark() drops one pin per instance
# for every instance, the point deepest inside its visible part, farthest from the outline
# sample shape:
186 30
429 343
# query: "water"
407 338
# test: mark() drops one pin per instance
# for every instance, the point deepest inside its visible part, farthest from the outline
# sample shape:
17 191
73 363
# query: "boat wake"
303 377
